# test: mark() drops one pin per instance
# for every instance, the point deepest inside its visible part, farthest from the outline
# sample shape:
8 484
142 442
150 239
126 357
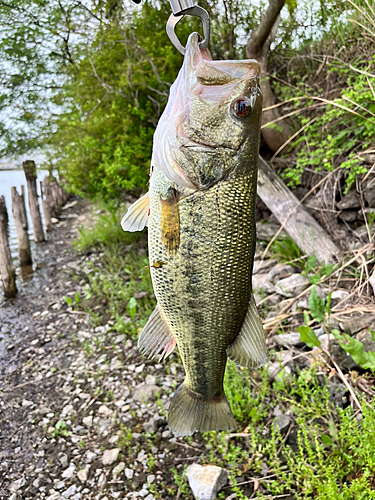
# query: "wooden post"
7 270
30 173
47 188
295 219
20 221
46 208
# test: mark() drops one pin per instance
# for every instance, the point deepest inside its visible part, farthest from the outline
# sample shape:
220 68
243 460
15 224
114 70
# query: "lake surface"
8 179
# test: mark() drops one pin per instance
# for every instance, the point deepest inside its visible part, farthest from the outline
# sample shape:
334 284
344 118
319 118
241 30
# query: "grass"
327 453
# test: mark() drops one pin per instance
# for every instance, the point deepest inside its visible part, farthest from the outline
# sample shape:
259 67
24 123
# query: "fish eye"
242 107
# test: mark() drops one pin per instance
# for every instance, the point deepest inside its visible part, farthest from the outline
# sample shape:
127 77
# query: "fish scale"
215 252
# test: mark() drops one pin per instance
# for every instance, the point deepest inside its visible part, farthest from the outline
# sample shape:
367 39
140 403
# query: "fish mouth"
207 148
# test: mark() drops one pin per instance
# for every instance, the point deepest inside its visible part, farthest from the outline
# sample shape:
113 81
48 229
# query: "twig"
343 378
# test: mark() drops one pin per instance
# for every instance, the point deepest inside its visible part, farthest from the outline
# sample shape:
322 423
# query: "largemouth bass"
200 213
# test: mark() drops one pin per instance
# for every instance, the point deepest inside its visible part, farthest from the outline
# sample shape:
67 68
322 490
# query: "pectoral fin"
249 349
137 216
156 338
170 221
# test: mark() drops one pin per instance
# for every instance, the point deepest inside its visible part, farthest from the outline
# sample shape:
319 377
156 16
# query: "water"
16 178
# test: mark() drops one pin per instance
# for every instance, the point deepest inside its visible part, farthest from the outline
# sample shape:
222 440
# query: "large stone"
350 200
348 215
369 193
292 286
145 392
281 271
110 456
357 323
365 337
262 283
288 339
206 481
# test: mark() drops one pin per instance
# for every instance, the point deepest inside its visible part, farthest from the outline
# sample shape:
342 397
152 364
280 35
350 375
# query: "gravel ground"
78 404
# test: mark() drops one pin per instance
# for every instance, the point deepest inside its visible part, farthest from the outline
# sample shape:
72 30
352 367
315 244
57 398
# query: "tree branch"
259 36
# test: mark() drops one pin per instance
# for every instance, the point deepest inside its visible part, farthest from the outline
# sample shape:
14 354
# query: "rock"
83 475
287 339
145 392
272 300
206 481
339 295
70 491
281 271
292 286
372 281
282 421
118 469
87 421
348 215
266 232
167 434
369 158
110 456
13 496
260 266
151 425
115 364
341 357
105 411
357 323
369 193
337 393
350 200
17 485
262 283
69 472
129 473
365 337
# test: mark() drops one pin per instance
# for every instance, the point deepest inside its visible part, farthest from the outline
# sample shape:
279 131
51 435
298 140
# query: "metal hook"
191 11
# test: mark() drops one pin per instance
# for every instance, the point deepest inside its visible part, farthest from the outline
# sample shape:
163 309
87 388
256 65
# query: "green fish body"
200 214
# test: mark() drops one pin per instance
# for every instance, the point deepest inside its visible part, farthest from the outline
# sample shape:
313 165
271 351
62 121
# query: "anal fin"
156 338
136 217
249 348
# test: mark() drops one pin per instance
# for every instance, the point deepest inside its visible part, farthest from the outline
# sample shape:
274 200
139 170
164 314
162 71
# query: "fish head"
211 124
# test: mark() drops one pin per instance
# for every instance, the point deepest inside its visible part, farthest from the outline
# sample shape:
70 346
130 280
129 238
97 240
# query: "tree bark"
295 219
257 48
36 219
20 221
7 269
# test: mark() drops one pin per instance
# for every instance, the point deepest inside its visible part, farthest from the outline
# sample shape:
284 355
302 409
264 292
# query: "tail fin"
190 412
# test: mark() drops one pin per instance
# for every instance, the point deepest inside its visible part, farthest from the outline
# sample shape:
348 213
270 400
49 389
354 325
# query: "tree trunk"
7 270
20 221
30 173
257 48
46 209
297 222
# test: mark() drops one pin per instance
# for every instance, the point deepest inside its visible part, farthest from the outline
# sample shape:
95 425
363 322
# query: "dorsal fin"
136 217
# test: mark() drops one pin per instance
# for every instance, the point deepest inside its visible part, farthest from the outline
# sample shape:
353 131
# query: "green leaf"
77 297
327 440
68 300
354 347
132 307
317 306
328 304
308 336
